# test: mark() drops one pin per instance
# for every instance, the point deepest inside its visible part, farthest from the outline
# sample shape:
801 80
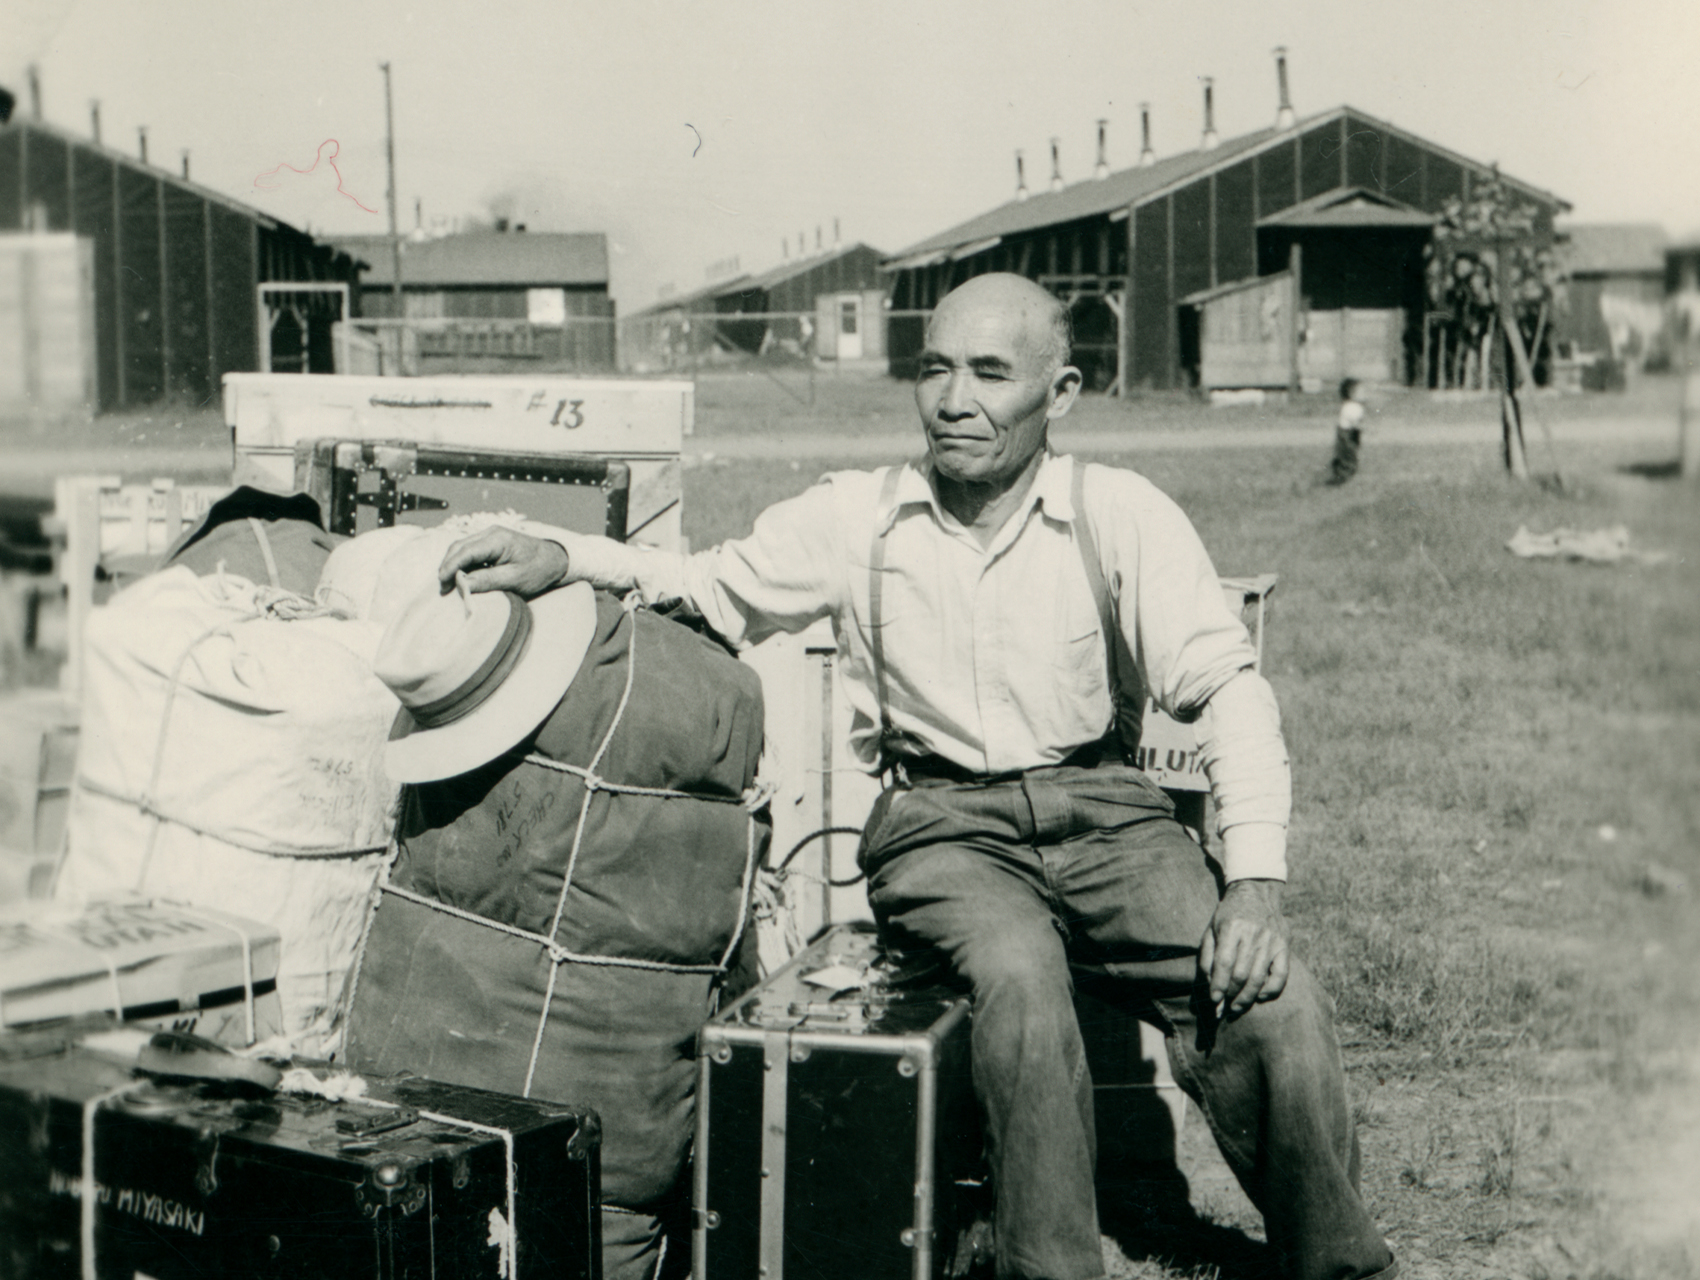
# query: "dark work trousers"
1019 883
1344 465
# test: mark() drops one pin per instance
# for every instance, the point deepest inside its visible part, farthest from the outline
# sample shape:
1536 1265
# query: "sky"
693 133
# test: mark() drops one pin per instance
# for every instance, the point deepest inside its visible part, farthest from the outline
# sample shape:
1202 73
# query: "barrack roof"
513 259
1128 188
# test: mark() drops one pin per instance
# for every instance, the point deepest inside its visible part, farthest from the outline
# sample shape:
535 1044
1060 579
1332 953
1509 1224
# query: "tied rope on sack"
270 603
752 801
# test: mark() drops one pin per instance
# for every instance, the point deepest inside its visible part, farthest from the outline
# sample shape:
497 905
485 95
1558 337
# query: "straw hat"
476 674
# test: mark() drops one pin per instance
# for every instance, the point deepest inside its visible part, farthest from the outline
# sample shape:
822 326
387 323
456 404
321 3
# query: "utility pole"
389 158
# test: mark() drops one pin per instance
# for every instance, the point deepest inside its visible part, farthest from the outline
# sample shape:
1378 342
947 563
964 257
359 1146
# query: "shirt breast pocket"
1082 657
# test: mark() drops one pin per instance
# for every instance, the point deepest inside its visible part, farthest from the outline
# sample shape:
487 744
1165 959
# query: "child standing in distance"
1348 435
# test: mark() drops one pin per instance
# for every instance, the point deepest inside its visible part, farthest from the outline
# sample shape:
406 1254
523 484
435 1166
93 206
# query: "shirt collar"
1053 490
1054 485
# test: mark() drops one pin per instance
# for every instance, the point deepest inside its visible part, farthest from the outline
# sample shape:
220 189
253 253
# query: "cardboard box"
161 964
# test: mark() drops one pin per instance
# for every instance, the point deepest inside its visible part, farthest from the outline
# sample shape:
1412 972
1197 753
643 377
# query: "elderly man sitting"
996 603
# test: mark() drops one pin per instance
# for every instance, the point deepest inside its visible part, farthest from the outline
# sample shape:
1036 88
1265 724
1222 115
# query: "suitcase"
205 1180
363 484
837 1133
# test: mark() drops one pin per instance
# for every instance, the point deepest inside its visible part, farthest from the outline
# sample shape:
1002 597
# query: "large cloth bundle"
232 756
556 923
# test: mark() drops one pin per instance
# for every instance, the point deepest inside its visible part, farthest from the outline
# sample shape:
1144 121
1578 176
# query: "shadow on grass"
1668 470
1145 1210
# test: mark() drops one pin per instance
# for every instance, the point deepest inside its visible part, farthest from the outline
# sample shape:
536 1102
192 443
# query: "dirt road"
200 452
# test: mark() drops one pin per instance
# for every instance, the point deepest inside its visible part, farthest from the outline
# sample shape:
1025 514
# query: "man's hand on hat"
1244 952
502 559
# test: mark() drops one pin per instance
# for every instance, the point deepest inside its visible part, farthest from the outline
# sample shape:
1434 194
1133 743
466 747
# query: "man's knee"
1025 964
1303 1014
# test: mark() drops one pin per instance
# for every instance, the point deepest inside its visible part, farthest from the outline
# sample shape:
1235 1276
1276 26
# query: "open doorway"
304 326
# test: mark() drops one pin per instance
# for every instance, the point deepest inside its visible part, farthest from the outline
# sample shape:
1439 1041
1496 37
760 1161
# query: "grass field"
1497 825
1496 840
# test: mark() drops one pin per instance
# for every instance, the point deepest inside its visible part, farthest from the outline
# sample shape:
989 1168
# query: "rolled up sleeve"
1198 664
1239 741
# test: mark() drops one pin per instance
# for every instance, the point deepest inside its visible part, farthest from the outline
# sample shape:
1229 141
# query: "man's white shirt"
994 656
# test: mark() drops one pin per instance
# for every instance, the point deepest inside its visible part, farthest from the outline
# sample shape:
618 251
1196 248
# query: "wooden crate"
639 422
101 526
38 760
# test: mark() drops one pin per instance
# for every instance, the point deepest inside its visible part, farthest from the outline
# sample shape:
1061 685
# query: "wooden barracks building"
1183 271
151 283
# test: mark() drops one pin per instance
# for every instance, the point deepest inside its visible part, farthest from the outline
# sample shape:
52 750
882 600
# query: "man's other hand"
1244 952
502 559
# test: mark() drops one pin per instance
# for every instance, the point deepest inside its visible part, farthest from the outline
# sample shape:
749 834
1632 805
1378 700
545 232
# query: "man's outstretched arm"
784 575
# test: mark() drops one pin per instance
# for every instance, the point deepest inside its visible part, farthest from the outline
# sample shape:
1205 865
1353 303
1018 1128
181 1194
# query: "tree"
1491 268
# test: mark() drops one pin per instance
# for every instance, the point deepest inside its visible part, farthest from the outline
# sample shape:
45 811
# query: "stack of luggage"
553 923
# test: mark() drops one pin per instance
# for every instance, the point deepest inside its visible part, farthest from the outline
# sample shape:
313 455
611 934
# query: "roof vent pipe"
142 141
35 91
835 231
1020 177
1210 139
185 164
1147 156
1102 168
1056 164
1284 117
94 119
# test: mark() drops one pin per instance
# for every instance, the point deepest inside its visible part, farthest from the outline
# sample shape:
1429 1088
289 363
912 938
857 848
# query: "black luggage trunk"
837 1136
197 1181
363 484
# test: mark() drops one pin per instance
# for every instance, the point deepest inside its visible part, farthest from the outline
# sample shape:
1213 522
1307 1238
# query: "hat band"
476 689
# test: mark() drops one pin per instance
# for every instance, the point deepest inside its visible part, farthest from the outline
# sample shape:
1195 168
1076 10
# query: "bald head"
1046 326
993 375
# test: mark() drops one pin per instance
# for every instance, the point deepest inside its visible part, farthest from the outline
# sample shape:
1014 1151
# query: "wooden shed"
829 306
176 266
1139 251
494 301
1616 290
842 288
47 356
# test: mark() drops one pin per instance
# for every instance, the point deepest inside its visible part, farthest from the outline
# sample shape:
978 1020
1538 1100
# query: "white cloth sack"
232 756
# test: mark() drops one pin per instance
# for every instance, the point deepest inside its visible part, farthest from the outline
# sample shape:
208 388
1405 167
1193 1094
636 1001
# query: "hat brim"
562 623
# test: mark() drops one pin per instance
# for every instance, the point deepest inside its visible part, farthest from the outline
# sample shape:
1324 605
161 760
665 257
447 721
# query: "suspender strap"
876 589
1127 694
